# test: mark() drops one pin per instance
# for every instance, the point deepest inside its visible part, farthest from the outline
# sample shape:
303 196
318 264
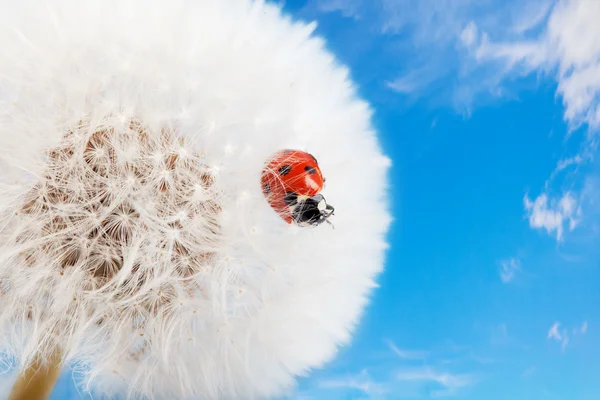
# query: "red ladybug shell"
290 172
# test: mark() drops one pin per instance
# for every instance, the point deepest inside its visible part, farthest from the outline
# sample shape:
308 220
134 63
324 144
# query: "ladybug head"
312 211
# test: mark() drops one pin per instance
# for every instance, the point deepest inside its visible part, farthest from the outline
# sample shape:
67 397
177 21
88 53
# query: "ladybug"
292 181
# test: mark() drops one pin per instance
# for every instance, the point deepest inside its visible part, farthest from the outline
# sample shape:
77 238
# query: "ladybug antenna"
328 212
330 223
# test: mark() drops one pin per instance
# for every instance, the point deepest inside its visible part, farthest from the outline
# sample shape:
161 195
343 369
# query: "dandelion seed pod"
135 238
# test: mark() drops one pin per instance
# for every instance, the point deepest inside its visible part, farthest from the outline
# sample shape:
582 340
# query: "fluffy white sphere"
134 235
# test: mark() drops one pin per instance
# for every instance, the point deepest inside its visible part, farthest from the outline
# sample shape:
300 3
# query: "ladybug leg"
330 223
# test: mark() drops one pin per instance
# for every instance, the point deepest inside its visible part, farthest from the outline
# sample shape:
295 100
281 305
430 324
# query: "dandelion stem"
37 380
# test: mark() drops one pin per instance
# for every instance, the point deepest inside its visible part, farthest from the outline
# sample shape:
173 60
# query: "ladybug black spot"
267 188
290 198
287 151
285 169
310 170
313 157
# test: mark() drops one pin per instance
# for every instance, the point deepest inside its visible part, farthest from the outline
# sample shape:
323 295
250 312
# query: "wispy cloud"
567 47
348 8
481 45
509 269
564 46
553 215
404 381
465 52
567 162
431 45
362 382
404 372
413 80
450 384
559 335
407 354
553 332
582 330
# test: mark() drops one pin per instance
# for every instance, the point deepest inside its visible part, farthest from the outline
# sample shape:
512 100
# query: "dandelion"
136 245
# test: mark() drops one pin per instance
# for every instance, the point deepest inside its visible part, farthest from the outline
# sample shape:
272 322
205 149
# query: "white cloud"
480 43
568 47
414 80
427 21
559 336
361 381
469 34
407 354
404 373
553 215
463 52
509 269
450 383
348 8
581 330
529 15
568 162
404 381
437 377
429 38
565 342
553 333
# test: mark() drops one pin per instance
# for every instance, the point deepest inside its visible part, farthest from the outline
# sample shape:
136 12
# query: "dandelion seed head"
132 236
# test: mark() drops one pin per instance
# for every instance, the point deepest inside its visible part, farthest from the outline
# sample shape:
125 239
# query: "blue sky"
490 111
